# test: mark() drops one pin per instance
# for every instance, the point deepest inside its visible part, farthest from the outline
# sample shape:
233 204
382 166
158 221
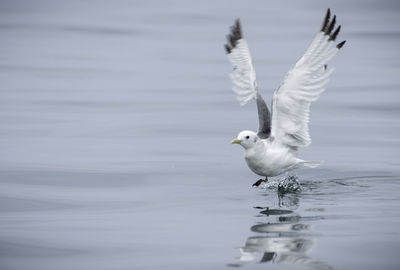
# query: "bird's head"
246 139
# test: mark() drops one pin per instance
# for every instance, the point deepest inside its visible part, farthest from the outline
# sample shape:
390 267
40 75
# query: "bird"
273 149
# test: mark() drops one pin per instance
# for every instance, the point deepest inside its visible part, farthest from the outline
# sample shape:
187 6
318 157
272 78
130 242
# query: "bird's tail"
311 163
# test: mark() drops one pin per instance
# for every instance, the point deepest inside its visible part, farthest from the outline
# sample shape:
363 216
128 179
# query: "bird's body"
267 157
273 150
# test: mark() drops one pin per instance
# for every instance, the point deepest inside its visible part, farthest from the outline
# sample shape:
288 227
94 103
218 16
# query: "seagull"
273 150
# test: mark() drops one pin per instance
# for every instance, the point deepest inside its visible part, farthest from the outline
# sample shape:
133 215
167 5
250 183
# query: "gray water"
116 118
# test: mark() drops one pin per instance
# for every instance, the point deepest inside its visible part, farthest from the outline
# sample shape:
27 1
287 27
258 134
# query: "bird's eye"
247 137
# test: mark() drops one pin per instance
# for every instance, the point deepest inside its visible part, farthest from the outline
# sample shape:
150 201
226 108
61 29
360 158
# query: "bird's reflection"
284 238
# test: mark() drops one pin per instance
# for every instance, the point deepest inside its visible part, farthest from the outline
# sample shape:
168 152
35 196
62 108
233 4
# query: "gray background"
116 118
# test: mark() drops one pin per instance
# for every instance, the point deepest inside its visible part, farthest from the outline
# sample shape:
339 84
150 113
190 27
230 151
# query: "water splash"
289 184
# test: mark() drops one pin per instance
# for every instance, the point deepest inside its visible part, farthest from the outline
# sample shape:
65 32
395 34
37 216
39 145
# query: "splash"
289 184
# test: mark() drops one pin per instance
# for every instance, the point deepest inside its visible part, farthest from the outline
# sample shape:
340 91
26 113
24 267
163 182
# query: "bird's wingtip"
340 45
326 20
227 49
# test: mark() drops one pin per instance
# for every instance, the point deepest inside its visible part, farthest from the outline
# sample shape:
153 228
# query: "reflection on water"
283 237
288 200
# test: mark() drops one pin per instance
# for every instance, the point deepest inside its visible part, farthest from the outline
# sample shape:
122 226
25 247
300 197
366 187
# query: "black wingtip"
326 20
232 40
234 36
227 49
340 45
236 29
328 26
237 23
331 26
334 35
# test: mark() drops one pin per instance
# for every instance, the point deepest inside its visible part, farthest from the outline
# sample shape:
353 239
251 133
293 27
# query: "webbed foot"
256 184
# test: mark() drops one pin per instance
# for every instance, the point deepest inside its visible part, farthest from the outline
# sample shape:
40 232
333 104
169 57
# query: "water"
116 119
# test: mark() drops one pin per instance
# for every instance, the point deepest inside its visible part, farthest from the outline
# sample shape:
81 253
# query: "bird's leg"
256 184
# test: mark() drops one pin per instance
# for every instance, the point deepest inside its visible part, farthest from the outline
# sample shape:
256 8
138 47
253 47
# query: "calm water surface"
116 119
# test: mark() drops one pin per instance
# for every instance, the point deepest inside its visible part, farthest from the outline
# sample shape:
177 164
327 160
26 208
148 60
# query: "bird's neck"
257 148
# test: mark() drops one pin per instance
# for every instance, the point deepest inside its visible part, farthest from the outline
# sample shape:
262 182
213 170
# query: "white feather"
243 75
302 85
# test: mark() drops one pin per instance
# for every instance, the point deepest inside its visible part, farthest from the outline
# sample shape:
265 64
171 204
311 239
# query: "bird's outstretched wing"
243 77
302 85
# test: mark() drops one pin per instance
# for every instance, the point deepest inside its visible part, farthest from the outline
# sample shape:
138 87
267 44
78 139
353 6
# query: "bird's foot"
256 184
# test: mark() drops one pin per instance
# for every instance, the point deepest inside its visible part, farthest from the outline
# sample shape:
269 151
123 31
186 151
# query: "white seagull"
274 148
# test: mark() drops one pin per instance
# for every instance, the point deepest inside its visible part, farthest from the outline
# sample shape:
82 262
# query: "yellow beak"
236 141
